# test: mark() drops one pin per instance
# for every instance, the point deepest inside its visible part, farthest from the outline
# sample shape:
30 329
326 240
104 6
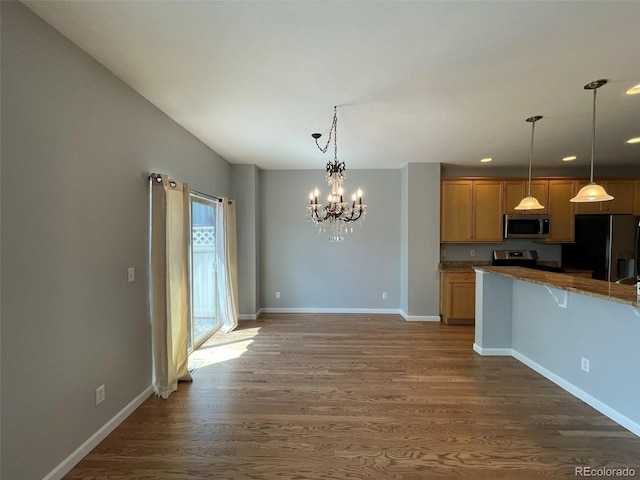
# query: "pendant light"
592 192
530 202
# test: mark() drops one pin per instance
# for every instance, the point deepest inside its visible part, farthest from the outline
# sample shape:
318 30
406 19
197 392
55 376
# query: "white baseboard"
72 460
497 352
374 311
418 318
603 408
332 310
614 415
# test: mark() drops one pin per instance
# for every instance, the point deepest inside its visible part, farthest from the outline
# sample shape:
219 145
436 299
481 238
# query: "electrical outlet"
585 364
277 294
472 253
384 295
100 394
131 274
443 254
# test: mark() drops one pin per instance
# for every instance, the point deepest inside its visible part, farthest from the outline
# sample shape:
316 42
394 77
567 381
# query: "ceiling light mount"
592 192
595 84
530 202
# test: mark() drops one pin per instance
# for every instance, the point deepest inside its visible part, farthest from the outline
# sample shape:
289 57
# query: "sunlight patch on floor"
222 347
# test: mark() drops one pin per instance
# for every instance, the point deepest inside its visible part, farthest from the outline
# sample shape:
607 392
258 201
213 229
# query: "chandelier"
337 216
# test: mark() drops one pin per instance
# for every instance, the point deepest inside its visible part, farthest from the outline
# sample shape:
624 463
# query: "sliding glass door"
204 313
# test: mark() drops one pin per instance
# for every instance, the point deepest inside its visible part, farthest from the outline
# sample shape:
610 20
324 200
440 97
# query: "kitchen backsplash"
481 252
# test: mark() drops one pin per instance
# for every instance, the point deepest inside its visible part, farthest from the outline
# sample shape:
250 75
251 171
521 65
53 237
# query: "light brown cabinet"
456 222
561 210
516 190
458 297
471 211
623 201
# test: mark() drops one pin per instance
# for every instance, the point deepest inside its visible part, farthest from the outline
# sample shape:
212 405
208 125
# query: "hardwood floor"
359 397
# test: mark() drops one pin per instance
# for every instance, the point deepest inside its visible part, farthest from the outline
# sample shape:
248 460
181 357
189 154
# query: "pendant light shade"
530 202
592 192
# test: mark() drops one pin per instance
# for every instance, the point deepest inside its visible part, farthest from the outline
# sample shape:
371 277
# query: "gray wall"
309 271
422 185
404 239
77 147
245 191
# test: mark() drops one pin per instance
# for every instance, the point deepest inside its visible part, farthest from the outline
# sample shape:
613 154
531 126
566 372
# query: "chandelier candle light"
338 215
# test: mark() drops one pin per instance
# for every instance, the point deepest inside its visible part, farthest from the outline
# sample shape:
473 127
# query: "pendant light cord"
593 132
533 121
533 126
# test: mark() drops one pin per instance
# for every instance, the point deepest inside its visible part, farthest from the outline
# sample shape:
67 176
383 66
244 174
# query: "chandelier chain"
333 131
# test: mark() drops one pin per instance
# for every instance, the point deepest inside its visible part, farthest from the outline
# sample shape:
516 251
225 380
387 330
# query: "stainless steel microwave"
526 226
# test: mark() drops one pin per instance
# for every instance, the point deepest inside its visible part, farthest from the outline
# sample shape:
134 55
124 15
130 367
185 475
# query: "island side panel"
493 314
553 340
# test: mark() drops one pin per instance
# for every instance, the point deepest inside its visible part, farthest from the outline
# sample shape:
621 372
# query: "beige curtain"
169 283
227 260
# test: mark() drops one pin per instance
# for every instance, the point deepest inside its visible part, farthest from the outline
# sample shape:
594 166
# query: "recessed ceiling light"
634 140
486 160
634 90
569 159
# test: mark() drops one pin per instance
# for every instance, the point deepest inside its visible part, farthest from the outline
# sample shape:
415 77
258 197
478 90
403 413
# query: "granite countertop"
460 266
612 292
468 267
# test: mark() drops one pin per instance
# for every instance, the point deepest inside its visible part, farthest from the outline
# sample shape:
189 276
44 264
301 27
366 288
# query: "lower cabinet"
458 297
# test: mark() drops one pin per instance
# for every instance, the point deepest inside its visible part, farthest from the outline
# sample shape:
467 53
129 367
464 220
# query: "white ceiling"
427 81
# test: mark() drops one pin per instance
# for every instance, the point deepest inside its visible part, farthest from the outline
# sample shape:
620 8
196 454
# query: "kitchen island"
582 334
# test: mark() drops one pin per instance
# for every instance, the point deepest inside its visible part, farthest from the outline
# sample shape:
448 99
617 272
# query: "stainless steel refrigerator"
606 244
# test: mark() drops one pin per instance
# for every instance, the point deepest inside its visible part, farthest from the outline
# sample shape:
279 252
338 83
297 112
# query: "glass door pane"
204 314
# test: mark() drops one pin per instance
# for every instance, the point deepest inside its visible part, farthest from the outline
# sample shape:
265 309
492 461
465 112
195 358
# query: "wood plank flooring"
358 397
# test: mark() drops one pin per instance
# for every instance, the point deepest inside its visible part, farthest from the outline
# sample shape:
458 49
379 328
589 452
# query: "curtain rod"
156 176
211 197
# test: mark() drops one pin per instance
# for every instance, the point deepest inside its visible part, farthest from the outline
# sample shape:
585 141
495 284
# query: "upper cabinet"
516 190
456 207
561 209
471 211
623 201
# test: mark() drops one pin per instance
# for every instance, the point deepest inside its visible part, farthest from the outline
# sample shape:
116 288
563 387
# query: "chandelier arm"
327 215
351 218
